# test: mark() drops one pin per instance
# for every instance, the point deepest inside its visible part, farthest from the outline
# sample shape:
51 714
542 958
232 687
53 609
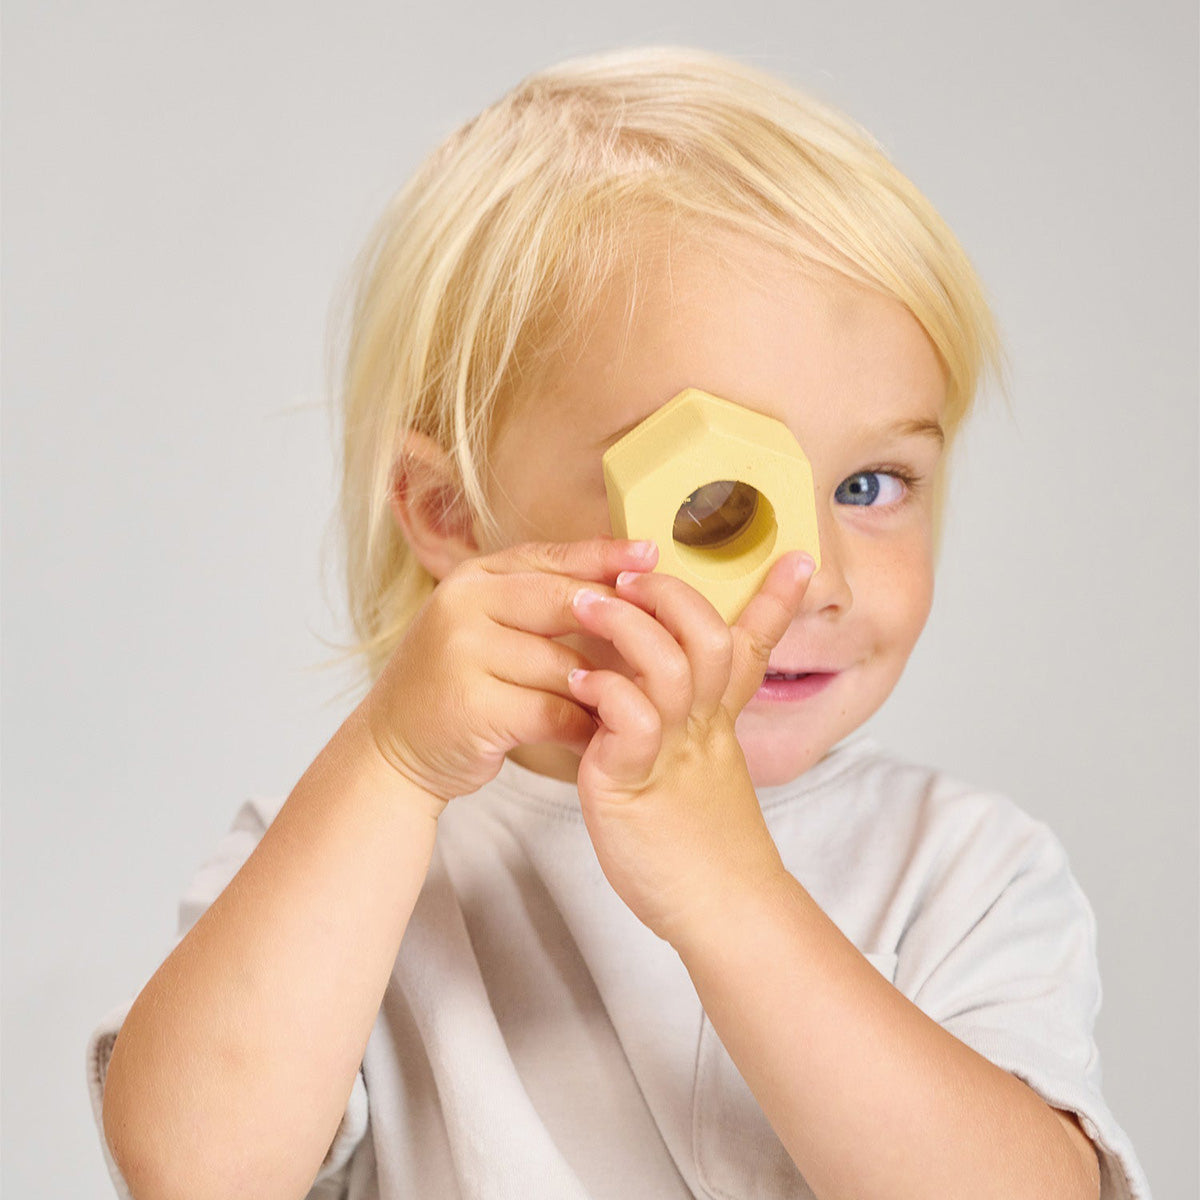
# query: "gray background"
183 192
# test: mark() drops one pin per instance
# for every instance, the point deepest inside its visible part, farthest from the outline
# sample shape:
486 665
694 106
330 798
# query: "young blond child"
577 902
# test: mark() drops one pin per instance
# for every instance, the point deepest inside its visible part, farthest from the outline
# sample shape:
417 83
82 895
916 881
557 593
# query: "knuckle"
644 721
541 553
471 571
445 605
760 647
460 579
559 716
677 672
457 642
718 643
505 558
556 555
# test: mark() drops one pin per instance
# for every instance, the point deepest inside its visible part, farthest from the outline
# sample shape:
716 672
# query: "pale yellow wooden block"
725 539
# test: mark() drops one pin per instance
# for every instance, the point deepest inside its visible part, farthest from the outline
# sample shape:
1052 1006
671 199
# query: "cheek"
906 597
922 604
551 510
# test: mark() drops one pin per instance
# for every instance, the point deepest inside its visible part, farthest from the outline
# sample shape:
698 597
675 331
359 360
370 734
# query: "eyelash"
912 485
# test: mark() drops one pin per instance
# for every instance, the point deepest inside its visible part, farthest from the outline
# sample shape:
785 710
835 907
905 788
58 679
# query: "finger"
600 558
626 745
525 660
530 585
695 624
762 623
535 602
536 701
661 668
528 716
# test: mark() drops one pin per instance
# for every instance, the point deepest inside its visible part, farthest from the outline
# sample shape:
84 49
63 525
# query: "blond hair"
491 256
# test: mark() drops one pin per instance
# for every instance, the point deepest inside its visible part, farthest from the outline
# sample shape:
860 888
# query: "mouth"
793 685
774 671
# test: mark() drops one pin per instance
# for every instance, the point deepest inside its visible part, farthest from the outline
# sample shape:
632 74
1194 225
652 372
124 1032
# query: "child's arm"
869 1096
233 1067
232 1070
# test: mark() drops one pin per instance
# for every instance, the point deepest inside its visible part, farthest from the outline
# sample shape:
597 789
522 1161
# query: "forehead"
743 321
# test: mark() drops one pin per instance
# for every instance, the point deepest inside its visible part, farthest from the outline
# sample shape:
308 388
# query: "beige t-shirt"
536 1039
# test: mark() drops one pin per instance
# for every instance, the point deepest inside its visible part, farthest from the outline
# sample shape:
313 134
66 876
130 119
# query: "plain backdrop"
183 190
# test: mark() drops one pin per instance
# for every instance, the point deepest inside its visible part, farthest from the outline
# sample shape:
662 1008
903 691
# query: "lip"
792 690
778 669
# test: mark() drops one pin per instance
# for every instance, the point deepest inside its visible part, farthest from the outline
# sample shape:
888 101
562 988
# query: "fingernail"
585 598
577 674
627 577
802 567
643 550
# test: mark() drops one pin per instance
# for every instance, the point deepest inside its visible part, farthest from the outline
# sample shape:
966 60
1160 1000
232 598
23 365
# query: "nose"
829 592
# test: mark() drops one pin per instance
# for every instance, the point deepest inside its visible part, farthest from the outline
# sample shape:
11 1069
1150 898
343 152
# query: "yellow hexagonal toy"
723 490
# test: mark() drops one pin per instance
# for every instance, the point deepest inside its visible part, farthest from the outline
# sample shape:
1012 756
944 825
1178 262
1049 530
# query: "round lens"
715 514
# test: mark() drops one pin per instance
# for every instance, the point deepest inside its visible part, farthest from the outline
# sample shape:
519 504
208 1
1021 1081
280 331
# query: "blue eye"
863 489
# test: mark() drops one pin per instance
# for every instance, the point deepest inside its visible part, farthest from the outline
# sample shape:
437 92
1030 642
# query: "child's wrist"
391 773
724 912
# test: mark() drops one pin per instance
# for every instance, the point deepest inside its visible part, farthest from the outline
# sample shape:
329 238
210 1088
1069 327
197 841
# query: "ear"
428 506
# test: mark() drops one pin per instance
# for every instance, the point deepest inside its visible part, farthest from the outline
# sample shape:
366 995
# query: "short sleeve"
209 881
1002 954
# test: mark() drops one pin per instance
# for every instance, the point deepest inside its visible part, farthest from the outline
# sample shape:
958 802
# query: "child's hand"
478 672
664 786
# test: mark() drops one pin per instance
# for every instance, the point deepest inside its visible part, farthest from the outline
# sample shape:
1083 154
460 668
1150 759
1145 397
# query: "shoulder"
960 818
947 852
982 883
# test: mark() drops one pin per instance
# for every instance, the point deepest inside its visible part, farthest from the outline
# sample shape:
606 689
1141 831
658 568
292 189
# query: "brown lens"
715 514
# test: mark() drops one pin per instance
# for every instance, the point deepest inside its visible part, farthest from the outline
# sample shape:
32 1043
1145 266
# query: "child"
581 900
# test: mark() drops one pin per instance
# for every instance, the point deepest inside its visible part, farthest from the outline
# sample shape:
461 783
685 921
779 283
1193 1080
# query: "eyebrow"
910 427
918 427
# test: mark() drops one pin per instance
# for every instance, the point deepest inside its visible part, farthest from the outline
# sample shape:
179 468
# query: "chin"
771 762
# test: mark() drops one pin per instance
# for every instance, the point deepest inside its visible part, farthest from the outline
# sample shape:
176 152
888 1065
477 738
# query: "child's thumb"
762 623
